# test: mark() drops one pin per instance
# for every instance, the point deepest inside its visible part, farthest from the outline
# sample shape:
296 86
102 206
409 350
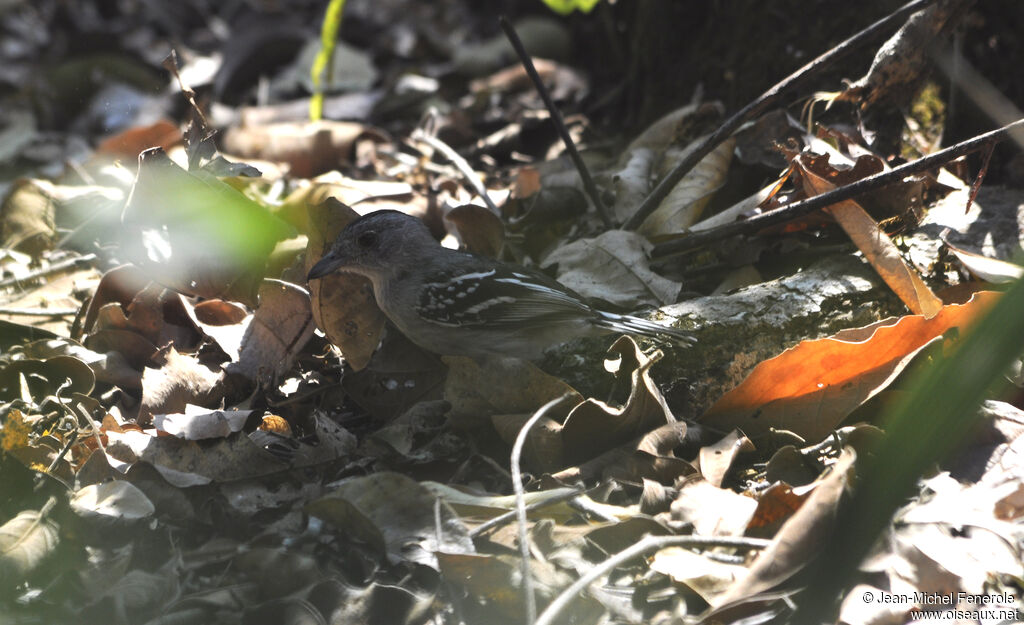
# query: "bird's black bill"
324 266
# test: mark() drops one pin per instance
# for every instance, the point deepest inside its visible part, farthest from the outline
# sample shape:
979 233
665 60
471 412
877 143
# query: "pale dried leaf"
613 267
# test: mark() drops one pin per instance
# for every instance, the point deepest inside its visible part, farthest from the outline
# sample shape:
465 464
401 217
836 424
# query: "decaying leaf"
481 231
309 148
111 503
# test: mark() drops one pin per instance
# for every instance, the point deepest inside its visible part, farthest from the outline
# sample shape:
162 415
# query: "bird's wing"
499 296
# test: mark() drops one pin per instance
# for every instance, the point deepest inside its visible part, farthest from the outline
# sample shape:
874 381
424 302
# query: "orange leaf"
810 388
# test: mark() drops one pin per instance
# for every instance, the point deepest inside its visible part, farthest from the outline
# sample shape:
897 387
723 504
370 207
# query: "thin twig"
504 518
517 487
791 211
647 543
71 263
460 163
39 312
756 107
556 117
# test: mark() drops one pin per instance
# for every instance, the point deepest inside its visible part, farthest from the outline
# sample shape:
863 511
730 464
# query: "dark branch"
791 211
755 108
556 117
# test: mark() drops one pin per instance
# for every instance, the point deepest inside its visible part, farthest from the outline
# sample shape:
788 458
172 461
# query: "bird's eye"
367 239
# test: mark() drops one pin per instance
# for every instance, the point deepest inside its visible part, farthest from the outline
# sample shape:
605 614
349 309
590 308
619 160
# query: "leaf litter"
188 430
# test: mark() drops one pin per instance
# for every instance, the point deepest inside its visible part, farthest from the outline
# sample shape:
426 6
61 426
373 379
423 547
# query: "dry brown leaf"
527 182
706 577
129 143
482 232
685 203
544 449
343 303
808 389
799 539
774 506
363 196
120 284
875 244
237 456
309 148
223 322
499 386
398 513
26 542
989 269
594 426
27 217
713 511
280 327
648 457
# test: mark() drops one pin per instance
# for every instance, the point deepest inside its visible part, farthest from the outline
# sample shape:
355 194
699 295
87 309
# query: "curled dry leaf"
223 322
111 503
808 389
717 459
990 269
482 232
198 423
594 426
713 511
342 303
613 267
649 457
26 541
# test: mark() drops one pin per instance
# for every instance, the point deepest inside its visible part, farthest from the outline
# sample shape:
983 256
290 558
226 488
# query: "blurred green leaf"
196 234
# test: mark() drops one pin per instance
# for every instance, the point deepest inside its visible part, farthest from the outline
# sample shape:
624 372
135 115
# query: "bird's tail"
627 324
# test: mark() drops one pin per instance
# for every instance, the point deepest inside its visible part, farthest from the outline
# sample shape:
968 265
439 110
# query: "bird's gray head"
375 245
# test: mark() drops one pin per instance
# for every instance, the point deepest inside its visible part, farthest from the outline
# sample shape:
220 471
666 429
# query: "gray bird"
456 303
